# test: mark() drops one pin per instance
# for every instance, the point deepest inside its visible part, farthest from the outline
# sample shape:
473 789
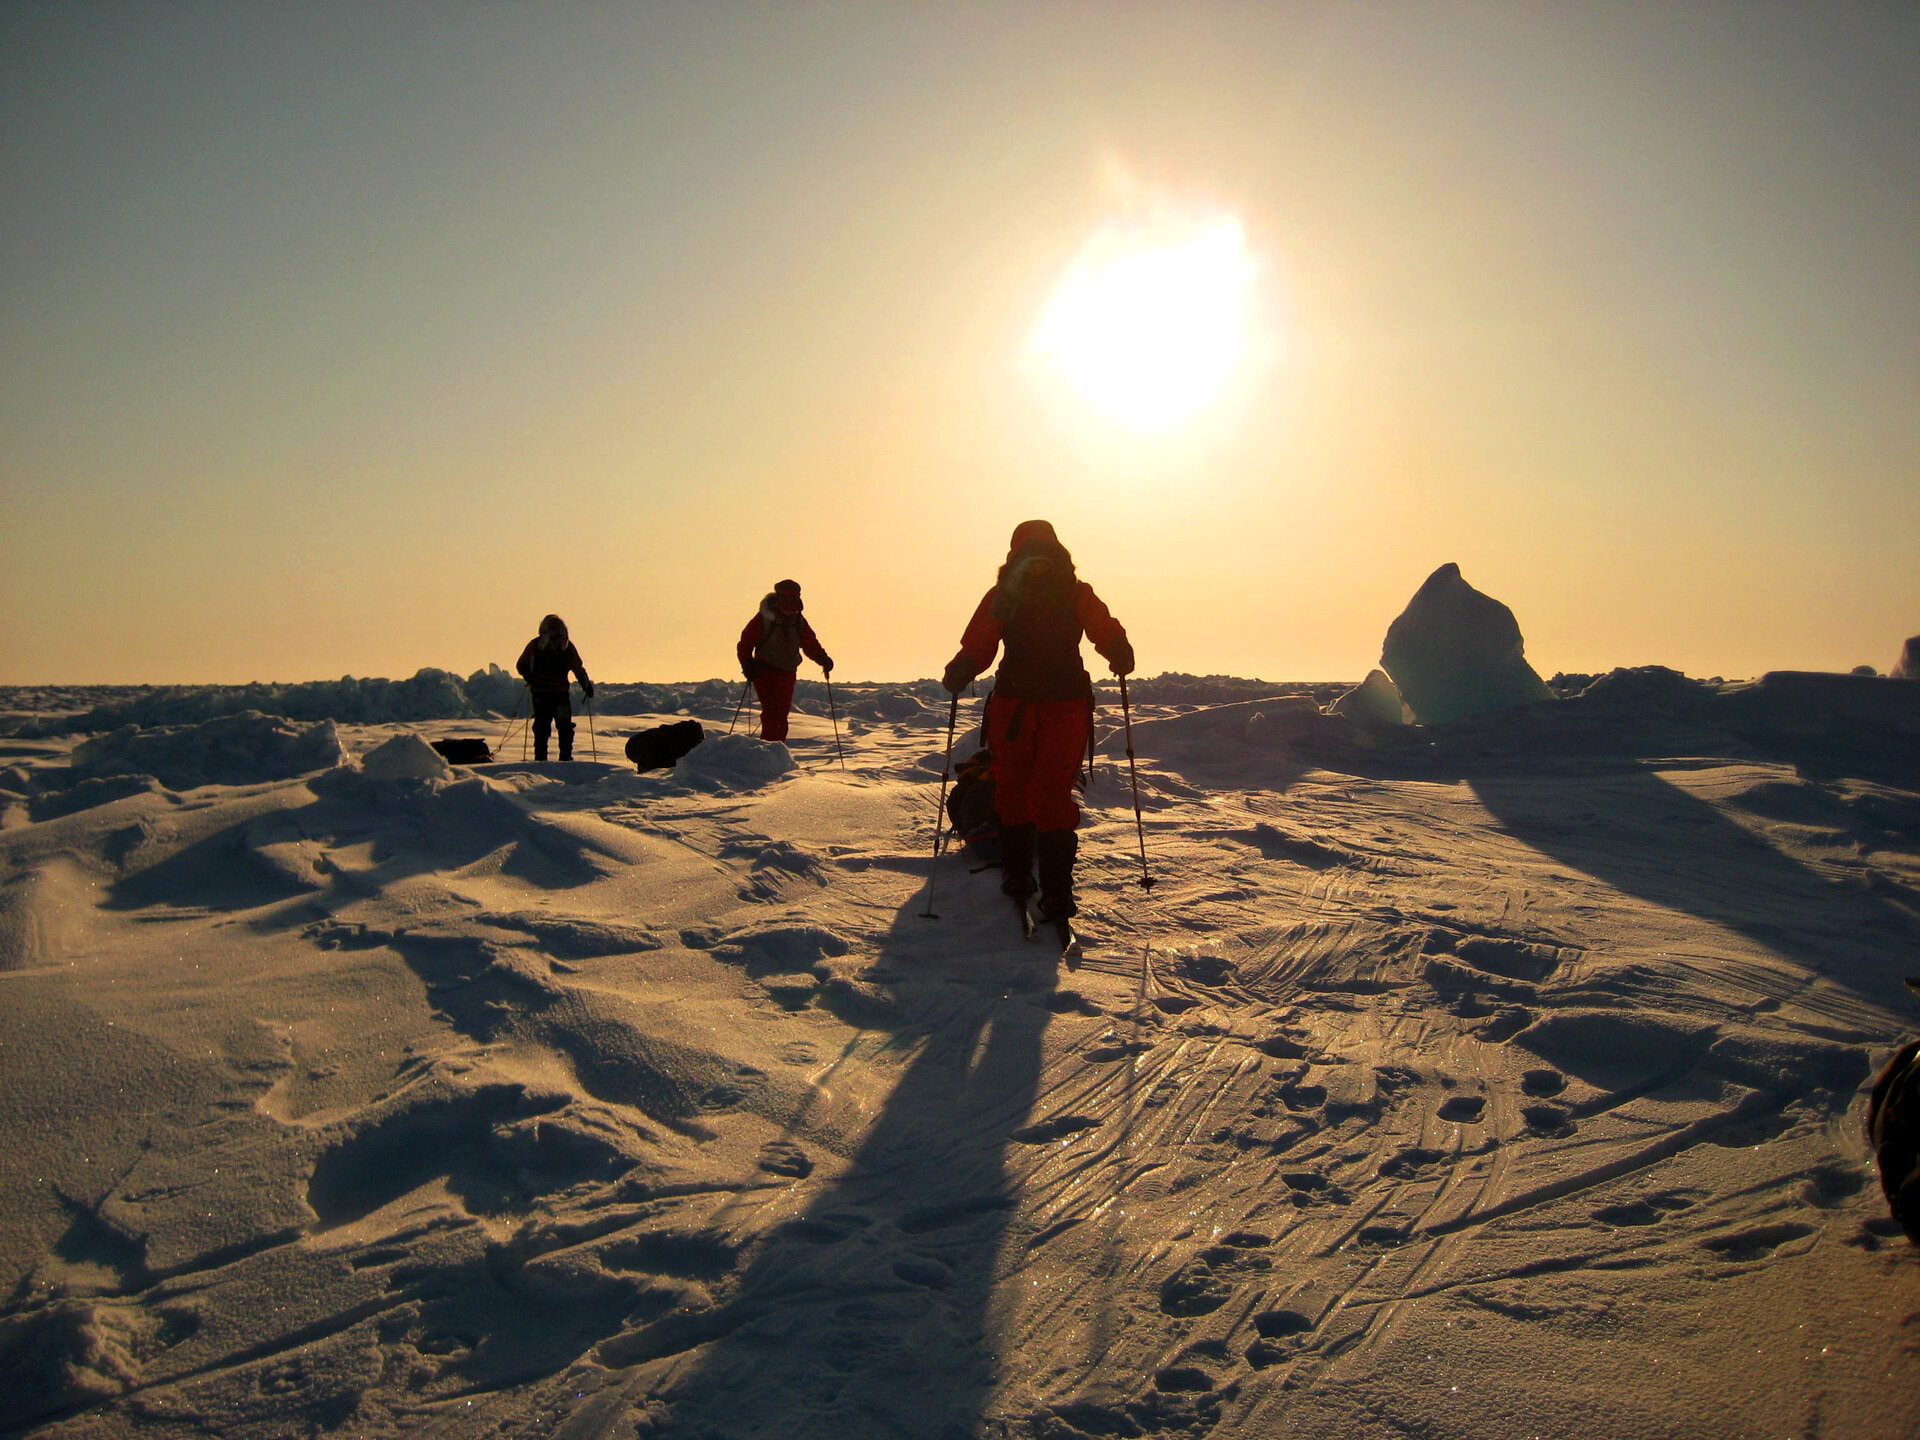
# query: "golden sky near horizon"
351 338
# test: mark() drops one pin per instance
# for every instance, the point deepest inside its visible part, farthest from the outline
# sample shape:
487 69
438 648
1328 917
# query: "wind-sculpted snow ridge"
1503 1079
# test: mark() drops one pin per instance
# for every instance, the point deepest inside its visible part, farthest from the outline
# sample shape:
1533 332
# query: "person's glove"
826 664
586 688
1122 658
959 674
747 668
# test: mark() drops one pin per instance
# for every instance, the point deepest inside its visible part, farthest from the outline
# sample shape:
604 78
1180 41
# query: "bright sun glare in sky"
1149 323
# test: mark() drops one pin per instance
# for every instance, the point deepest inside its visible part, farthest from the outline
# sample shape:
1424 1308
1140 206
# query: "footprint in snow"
1648 1211
1054 1128
1281 1333
1410 1162
1194 1289
1178 1378
1549 1122
1303 1097
1464 1109
783 1157
1756 1243
1543 1082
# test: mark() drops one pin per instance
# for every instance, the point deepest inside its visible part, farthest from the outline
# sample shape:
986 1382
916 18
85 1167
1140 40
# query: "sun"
1149 323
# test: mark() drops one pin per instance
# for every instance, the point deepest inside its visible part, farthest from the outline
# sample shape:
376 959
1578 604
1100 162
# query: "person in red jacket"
770 649
545 664
1040 716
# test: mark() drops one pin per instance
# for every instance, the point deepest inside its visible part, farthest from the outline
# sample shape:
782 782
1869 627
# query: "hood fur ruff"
772 614
1025 575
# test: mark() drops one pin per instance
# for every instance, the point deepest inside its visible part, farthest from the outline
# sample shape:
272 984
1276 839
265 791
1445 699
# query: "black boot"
1057 849
566 742
1016 860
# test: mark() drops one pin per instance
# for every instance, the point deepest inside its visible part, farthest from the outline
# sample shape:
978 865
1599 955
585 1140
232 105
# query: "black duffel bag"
659 747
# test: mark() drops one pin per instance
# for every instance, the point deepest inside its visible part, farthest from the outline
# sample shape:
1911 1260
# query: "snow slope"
1493 1086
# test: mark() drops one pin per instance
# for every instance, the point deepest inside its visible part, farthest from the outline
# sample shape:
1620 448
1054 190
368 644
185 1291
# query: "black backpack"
659 747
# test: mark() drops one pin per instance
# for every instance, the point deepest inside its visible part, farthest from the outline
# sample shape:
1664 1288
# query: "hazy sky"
352 338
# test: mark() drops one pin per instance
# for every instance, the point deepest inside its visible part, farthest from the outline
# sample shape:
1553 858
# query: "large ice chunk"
1455 652
1374 702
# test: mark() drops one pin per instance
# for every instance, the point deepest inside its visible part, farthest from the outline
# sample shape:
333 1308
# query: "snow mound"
244 749
86 794
1276 719
69 1354
1651 686
405 757
781 949
1455 652
738 761
896 705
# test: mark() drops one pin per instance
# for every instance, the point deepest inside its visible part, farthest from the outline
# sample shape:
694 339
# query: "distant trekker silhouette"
1040 716
770 649
545 664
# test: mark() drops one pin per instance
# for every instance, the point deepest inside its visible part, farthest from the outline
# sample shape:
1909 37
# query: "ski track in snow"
1485 1098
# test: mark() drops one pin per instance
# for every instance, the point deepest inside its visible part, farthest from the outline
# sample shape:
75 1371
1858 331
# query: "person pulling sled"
770 649
545 665
1040 716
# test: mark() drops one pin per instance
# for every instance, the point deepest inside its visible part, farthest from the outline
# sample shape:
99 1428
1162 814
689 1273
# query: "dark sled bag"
659 747
970 807
464 751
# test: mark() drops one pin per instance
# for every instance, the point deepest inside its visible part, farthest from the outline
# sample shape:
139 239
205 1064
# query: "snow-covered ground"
1503 1087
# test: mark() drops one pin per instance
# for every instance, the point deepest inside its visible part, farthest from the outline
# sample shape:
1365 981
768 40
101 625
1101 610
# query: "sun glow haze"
1148 326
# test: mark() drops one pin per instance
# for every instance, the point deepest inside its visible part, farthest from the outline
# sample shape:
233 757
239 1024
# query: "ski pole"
1139 825
835 713
593 740
940 816
512 723
738 707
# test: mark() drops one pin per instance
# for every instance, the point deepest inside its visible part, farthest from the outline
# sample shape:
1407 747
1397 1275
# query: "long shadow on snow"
871 1314
1647 837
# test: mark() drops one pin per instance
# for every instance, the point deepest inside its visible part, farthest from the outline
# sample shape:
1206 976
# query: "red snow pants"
775 689
1037 745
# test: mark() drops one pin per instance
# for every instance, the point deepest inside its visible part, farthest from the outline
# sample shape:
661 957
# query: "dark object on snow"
1908 667
970 807
661 746
1455 652
1893 1129
463 751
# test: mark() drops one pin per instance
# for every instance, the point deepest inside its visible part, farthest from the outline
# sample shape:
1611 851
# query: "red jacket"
1055 674
778 639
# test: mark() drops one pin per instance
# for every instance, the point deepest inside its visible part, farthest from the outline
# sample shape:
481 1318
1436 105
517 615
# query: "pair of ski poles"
946 773
832 709
526 727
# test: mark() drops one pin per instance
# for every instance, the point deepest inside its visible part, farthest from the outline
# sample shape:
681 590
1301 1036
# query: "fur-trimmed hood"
771 614
1040 572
